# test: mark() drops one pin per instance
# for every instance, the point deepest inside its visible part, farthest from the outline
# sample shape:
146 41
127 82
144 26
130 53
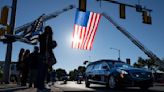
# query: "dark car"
64 79
79 78
115 74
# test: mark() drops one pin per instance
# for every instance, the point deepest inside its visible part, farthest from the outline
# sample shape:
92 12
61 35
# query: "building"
13 70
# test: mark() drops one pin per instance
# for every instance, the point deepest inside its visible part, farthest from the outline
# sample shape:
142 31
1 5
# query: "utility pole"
9 44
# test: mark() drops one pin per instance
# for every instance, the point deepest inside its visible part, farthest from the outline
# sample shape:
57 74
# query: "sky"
107 36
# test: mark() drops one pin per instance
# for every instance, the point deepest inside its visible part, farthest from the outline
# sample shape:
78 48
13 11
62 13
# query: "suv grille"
141 75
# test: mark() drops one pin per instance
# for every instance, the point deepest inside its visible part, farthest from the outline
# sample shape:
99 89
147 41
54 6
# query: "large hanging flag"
86 24
31 33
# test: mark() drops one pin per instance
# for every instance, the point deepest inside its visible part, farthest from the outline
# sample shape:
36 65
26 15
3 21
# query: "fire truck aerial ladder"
20 33
149 53
45 18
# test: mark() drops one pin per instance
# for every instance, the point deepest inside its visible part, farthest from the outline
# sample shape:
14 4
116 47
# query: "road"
73 86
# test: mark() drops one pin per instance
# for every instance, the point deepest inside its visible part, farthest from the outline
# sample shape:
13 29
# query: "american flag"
86 24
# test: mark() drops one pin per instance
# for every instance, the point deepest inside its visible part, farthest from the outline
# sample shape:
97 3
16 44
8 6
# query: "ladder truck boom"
149 53
24 30
45 18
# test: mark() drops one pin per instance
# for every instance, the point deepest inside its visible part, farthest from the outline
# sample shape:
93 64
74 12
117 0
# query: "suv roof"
104 60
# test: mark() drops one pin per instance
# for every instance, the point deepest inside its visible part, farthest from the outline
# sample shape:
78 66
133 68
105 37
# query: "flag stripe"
34 37
82 39
79 34
73 37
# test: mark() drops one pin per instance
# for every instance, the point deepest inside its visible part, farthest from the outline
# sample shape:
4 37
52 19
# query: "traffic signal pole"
132 6
146 17
9 44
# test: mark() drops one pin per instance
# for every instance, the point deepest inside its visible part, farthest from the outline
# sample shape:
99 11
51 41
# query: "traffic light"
4 15
146 18
8 29
82 5
122 11
149 19
2 32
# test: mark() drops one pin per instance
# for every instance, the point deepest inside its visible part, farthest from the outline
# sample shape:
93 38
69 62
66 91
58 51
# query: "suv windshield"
122 65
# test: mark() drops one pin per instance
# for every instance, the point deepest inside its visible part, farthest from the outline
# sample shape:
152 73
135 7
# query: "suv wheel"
112 82
87 84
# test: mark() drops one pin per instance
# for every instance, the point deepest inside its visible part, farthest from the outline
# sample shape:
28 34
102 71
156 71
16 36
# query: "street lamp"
118 53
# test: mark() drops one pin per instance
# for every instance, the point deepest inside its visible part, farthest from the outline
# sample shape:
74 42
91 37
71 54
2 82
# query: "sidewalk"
17 88
11 87
2 86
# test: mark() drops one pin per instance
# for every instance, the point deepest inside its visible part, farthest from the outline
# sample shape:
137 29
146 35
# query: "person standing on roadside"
25 67
46 47
33 67
19 65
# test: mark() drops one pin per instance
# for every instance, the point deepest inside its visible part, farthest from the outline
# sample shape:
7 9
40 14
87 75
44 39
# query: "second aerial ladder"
149 53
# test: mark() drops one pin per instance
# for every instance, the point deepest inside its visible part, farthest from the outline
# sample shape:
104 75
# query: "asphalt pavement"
73 86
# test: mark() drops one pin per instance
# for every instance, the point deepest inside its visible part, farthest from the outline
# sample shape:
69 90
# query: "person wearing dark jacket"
46 47
25 67
33 67
19 65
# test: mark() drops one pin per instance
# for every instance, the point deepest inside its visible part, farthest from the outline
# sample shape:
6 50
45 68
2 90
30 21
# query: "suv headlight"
122 73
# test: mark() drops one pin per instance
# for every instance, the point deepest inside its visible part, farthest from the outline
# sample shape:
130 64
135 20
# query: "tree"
73 74
140 63
60 72
81 69
149 63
